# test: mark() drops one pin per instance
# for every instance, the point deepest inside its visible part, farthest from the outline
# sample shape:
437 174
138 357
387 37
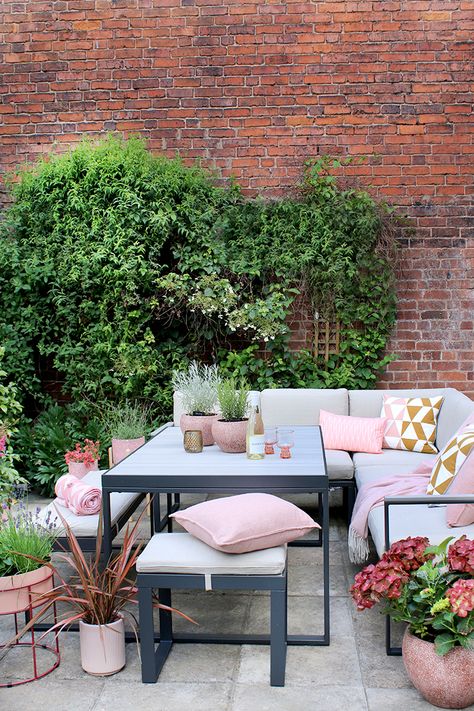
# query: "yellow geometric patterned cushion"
451 460
411 423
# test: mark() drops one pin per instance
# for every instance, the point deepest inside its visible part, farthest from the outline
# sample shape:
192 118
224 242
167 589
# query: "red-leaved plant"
98 594
87 453
430 587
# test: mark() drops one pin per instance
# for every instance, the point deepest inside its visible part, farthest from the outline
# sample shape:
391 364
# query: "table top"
163 465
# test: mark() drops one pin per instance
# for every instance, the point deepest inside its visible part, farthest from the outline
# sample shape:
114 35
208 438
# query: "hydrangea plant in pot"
26 545
126 423
83 458
230 428
197 388
432 589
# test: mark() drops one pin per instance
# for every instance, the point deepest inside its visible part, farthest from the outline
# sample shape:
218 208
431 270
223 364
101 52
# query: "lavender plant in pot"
432 589
126 424
229 429
197 388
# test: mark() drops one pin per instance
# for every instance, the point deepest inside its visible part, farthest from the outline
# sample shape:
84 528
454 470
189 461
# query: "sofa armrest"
429 499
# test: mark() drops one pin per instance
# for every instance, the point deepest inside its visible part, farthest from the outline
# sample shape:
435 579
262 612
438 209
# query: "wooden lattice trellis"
326 338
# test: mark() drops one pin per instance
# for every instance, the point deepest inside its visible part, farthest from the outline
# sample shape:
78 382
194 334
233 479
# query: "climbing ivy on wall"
117 266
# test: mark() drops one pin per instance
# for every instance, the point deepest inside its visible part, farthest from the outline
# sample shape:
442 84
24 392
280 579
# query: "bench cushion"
339 464
86 526
395 457
182 553
416 520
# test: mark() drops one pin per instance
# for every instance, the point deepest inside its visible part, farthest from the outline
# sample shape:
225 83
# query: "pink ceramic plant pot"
230 436
80 469
102 647
446 682
199 422
121 448
19 592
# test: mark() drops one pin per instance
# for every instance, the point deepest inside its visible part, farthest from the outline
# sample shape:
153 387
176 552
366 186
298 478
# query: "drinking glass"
285 441
270 439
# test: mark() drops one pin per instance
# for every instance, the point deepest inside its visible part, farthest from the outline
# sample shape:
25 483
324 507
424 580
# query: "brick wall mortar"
253 89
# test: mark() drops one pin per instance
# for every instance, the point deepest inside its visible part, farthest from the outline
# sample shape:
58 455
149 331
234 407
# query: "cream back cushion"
301 406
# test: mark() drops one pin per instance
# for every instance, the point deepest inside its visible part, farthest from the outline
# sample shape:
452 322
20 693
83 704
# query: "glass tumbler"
285 441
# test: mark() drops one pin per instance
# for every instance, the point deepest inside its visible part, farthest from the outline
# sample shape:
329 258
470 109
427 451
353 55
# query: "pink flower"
3 446
461 597
409 553
87 453
361 591
461 556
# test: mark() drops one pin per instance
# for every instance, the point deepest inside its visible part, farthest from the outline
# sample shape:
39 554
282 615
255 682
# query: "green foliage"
197 386
22 535
125 420
10 410
45 442
118 267
232 396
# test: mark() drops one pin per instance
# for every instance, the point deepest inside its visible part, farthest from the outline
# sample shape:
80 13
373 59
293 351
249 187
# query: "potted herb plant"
432 589
83 458
126 423
99 597
26 545
197 387
230 428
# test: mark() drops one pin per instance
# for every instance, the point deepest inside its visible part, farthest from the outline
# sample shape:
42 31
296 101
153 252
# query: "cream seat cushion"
301 406
339 464
395 457
183 553
85 526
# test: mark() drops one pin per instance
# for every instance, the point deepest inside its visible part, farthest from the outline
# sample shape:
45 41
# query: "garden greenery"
118 266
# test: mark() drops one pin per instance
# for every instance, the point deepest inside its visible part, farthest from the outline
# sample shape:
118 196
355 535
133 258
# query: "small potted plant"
197 387
83 458
230 428
26 545
432 589
126 424
99 597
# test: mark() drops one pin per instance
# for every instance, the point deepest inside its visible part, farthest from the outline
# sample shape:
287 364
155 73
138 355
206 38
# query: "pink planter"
80 469
199 422
102 647
121 448
447 682
19 592
230 436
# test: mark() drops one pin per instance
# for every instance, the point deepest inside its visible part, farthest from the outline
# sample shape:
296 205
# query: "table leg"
107 525
325 534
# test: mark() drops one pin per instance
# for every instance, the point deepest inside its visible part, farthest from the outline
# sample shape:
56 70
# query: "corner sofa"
349 471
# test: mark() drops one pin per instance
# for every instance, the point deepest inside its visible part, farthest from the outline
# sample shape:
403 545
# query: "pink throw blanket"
83 499
371 495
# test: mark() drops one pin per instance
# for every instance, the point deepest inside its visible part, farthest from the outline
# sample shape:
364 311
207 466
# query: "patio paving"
352 673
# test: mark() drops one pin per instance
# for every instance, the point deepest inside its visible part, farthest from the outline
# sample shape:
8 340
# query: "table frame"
230 484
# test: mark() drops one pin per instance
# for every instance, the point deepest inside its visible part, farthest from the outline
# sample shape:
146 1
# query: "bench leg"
278 637
348 501
147 635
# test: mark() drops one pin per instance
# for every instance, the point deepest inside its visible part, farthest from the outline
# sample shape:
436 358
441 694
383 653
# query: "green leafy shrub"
10 410
125 420
232 396
118 267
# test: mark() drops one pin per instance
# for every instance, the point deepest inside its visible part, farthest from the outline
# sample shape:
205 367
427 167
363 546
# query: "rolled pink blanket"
84 500
62 487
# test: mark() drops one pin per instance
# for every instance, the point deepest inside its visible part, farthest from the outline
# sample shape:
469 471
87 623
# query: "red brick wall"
254 88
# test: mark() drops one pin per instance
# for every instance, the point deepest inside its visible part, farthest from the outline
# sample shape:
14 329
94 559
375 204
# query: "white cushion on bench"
86 526
183 553
301 406
339 464
413 520
395 457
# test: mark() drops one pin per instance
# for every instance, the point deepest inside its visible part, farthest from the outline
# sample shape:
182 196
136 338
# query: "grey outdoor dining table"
161 466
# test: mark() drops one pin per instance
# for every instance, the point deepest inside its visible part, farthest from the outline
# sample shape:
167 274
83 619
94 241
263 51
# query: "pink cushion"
248 522
354 434
463 483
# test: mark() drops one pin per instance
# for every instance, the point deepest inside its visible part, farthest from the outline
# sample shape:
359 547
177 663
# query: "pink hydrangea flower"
461 556
461 597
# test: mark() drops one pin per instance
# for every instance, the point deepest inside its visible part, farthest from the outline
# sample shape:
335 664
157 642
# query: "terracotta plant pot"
102 647
19 592
121 448
230 436
446 682
80 469
199 422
